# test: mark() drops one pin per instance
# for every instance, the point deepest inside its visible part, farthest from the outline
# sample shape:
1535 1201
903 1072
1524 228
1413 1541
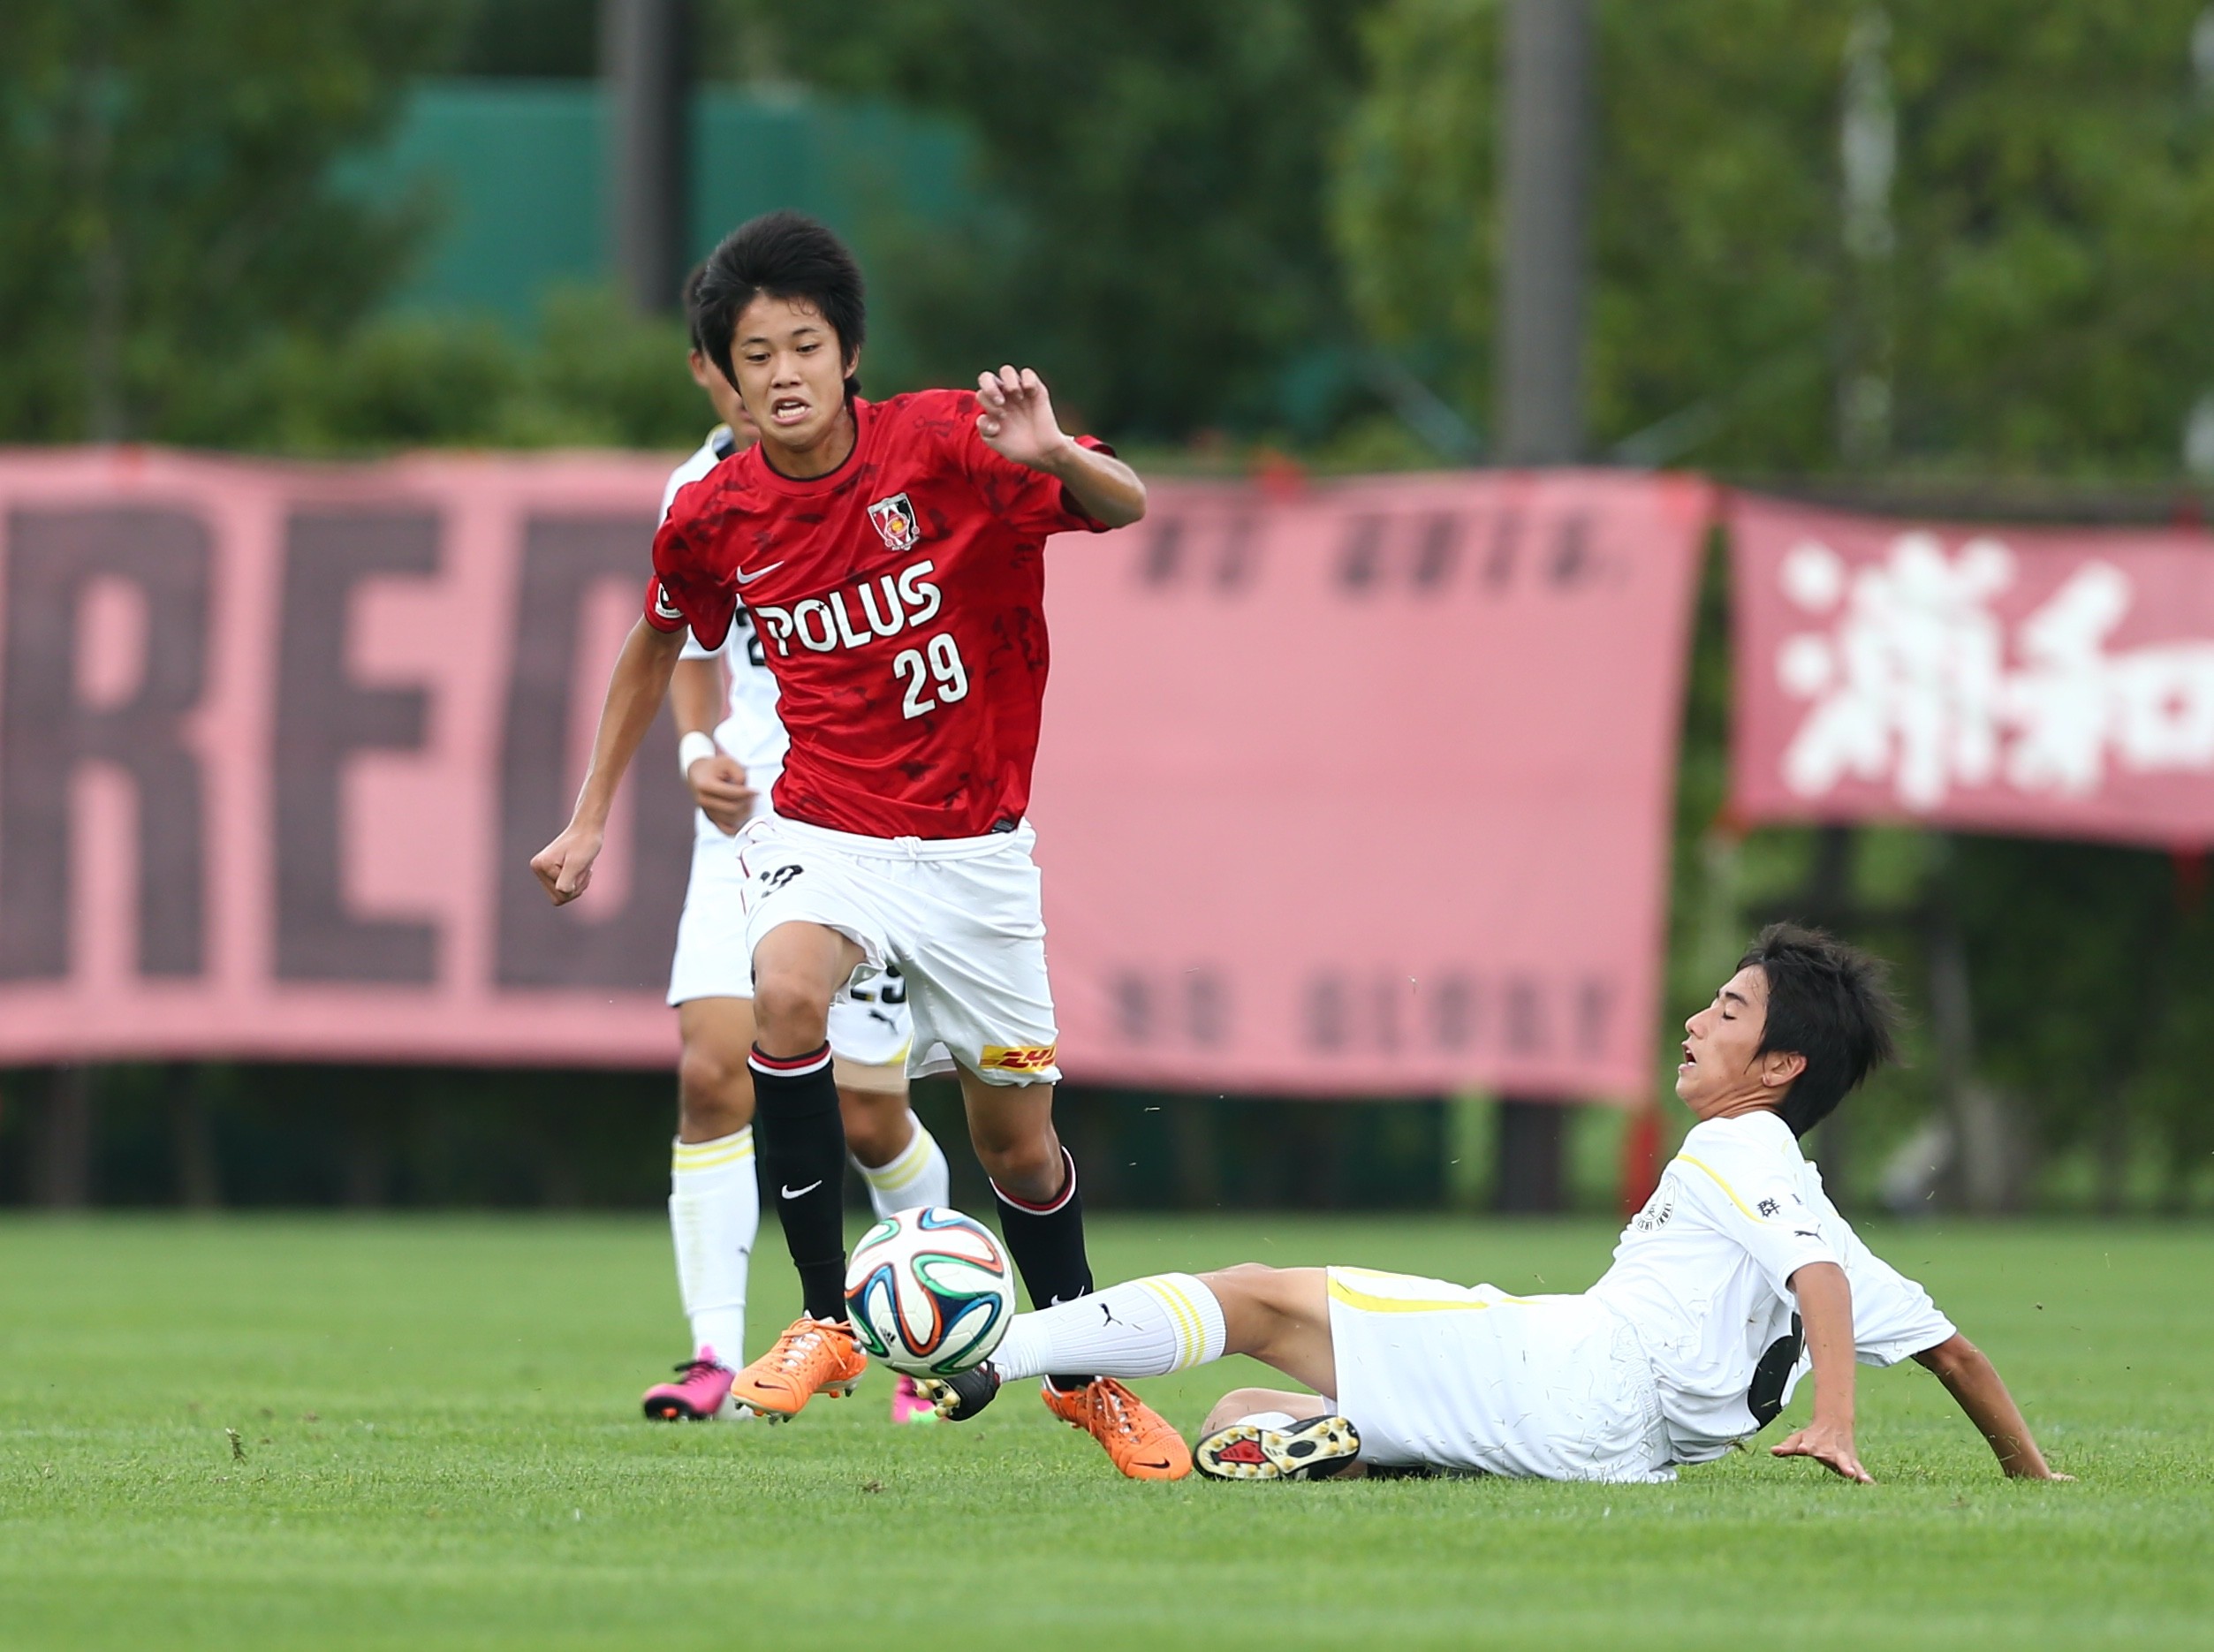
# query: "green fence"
515 175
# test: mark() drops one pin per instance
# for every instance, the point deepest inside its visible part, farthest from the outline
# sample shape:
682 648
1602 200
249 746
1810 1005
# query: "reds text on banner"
2050 681
1362 790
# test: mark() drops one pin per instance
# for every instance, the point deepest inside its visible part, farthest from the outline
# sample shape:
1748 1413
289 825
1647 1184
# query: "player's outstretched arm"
1973 1381
634 694
1825 1308
1015 418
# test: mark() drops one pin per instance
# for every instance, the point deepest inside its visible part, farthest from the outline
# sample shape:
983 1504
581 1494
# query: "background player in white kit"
1737 1278
732 747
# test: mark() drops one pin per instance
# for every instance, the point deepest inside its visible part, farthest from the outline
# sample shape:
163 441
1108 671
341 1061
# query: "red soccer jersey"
900 602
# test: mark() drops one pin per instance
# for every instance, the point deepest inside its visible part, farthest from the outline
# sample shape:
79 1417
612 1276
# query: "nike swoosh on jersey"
801 1193
747 579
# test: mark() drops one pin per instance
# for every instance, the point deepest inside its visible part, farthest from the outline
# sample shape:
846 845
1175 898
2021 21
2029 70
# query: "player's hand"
1829 1445
565 865
718 786
1015 418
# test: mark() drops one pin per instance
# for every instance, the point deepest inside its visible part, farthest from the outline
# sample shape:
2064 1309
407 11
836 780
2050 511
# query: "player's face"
1721 1070
791 372
724 394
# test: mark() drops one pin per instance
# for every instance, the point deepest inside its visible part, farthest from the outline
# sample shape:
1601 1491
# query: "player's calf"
1240 1404
1281 1317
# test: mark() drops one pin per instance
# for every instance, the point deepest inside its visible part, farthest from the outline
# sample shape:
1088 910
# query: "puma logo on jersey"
856 615
895 523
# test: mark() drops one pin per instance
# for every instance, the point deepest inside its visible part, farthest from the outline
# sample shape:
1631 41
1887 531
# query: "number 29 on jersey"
932 675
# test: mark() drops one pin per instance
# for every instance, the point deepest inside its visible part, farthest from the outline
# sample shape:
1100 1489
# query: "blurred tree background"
1951 256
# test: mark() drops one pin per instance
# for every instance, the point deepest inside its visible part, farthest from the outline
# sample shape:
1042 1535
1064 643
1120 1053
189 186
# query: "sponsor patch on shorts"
1024 1059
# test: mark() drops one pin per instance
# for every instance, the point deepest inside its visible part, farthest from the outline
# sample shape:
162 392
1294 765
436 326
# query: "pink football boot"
908 1403
702 1391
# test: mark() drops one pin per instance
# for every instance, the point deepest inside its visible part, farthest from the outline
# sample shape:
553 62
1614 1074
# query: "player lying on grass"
1737 1278
892 555
732 751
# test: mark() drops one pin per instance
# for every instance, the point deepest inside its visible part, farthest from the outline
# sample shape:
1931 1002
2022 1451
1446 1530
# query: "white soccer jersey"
1703 1271
750 731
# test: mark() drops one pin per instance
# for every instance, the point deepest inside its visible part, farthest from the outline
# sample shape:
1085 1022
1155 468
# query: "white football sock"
1142 1328
917 1176
714 1212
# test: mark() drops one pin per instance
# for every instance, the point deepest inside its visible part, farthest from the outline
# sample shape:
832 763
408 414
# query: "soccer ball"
930 1291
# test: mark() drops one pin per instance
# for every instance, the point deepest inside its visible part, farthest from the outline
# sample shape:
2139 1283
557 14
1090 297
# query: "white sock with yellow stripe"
714 1213
916 1176
1141 1327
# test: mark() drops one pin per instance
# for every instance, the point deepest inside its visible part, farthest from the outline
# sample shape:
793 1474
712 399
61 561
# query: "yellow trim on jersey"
1369 1303
1724 1186
1191 1333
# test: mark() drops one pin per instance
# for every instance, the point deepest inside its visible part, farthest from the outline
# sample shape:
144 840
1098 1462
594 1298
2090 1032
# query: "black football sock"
802 1145
1047 1242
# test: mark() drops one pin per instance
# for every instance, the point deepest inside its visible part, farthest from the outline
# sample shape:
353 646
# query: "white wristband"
692 747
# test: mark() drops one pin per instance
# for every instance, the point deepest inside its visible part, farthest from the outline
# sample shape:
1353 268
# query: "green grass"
441 1449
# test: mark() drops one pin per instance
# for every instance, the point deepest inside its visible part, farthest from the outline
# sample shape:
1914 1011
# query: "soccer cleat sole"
774 1414
1313 1449
958 1399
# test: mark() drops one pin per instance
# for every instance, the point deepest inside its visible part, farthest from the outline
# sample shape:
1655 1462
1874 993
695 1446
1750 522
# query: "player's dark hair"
786 256
1830 1003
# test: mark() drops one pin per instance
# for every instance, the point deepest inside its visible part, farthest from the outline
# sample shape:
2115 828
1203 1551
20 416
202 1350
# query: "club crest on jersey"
895 522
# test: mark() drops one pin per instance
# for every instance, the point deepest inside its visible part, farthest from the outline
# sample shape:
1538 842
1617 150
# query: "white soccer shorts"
959 918
870 1024
1469 1378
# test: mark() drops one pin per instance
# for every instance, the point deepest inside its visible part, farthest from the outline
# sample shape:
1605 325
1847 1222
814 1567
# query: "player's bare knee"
708 1074
714 1093
791 1013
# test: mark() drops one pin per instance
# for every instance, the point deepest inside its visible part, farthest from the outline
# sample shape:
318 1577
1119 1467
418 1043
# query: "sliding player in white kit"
713 1200
1737 1279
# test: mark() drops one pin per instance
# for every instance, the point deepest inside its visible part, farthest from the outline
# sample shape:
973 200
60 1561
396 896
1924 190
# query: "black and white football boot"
1313 1449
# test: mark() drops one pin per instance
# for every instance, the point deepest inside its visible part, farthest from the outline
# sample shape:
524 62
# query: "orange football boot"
1138 1438
814 1356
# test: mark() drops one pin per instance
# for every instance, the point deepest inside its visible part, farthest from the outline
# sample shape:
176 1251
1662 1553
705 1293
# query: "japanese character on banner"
1918 683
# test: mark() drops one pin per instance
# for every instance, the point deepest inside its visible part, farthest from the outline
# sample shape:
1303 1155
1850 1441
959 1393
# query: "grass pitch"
437 1445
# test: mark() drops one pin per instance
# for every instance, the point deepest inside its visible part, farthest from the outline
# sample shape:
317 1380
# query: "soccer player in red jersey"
891 557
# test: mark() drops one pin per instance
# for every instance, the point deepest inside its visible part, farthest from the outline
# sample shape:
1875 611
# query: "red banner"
1361 791
2051 681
